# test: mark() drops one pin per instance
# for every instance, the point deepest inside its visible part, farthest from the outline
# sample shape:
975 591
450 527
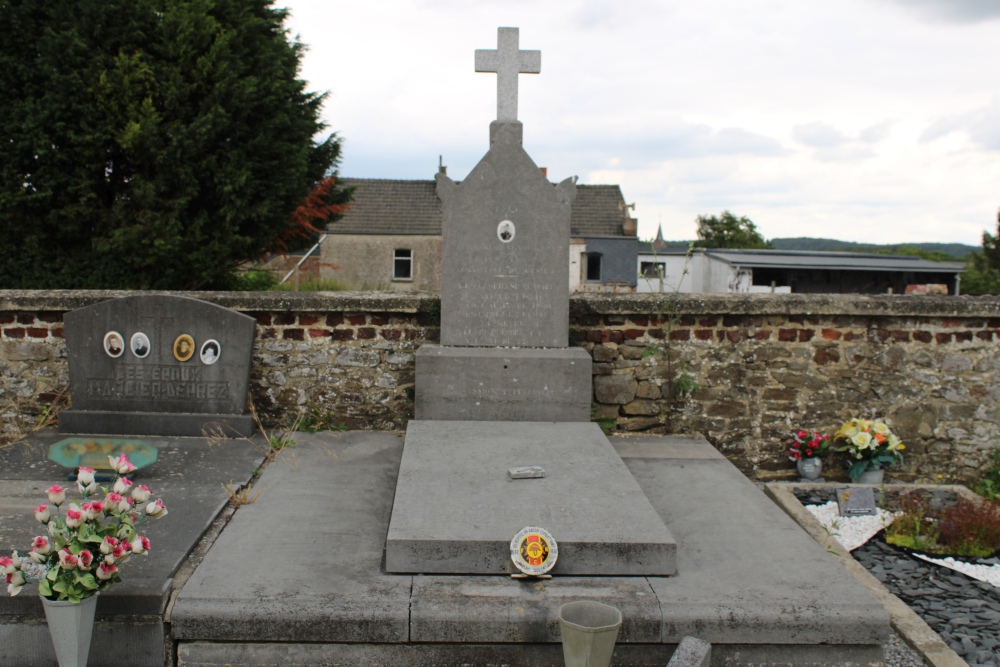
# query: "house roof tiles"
383 206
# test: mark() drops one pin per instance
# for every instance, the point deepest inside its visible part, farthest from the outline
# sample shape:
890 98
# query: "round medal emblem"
534 551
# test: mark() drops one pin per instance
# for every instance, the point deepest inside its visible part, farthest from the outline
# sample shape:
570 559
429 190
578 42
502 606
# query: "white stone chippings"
988 573
853 531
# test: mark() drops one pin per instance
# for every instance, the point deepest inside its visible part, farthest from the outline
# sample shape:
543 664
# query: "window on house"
653 270
402 264
593 267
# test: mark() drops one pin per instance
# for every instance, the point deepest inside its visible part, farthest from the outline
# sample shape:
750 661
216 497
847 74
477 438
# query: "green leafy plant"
914 527
85 545
989 485
870 443
319 420
968 527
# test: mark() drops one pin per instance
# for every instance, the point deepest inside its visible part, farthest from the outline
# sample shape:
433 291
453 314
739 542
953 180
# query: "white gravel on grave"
853 531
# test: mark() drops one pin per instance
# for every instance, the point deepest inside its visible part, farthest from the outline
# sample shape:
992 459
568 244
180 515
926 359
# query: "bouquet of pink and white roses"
84 547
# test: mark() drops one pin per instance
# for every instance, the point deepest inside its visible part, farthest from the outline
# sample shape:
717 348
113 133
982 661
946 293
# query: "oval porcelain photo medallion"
534 551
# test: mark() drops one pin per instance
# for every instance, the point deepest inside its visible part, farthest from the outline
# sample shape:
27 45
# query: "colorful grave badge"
94 452
534 551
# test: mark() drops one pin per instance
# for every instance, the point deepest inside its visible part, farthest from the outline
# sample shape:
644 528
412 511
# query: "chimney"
545 171
441 168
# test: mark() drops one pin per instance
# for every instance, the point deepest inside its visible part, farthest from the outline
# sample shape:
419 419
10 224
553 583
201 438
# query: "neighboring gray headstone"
158 365
505 256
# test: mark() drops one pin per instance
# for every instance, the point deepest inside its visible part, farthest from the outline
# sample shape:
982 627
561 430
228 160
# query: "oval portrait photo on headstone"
210 351
183 347
139 345
506 231
114 344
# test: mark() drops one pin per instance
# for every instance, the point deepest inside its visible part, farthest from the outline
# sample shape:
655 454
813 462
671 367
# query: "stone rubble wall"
743 370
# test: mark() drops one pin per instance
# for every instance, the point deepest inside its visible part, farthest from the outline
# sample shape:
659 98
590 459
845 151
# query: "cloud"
982 126
956 11
819 135
876 133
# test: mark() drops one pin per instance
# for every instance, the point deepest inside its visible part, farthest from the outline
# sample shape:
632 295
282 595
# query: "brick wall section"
756 366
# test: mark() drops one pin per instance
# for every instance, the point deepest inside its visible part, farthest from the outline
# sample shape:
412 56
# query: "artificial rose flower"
8 565
122 484
37 557
74 517
111 502
86 489
67 560
88 512
156 510
121 465
56 494
105 571
98 507
140 545
42 513
15 582
802 435
108 545
85 558
85 476
141 493
42 545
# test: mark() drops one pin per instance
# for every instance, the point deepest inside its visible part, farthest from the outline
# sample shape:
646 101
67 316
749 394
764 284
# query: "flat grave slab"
301 563
187 476
503 384
330 601
456 508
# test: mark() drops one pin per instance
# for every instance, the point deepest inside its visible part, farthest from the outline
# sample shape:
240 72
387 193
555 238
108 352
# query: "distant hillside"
957 250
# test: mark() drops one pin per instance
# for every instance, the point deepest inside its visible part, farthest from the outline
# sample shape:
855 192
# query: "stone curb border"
913 629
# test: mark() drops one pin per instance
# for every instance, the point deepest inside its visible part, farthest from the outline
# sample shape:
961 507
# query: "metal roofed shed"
799 271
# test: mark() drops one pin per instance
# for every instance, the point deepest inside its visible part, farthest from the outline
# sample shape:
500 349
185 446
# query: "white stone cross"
507 61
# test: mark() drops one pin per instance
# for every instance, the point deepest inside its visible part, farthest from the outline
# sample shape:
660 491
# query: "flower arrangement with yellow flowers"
870 443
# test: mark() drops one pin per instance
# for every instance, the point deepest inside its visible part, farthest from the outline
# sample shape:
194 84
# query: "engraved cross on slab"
507 61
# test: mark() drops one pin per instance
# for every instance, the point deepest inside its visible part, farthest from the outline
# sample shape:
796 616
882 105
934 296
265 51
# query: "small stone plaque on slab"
526 472
856 502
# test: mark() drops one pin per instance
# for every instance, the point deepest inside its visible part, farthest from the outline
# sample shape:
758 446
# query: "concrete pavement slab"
302 562
747 573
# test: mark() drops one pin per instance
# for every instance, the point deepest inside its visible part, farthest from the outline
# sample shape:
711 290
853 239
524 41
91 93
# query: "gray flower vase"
71 626
809 468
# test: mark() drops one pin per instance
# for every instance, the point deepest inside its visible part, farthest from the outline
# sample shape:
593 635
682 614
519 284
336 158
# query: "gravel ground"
963 610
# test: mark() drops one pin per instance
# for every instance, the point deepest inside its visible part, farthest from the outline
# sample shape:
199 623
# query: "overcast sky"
861 120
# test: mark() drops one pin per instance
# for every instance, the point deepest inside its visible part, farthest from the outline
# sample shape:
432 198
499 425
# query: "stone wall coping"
580 304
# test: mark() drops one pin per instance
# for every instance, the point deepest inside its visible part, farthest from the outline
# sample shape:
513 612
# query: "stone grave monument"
504 391
155 364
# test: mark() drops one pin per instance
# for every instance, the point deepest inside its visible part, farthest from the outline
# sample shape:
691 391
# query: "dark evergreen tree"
728 231
151 144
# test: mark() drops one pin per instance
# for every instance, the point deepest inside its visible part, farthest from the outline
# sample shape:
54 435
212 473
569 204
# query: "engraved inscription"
132 381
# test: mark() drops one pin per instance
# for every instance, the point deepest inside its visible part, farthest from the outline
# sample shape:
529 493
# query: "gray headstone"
157 365
505 275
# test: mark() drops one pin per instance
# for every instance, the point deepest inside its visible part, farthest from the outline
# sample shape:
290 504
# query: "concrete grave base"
749 580
456 508
508 384
155 423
